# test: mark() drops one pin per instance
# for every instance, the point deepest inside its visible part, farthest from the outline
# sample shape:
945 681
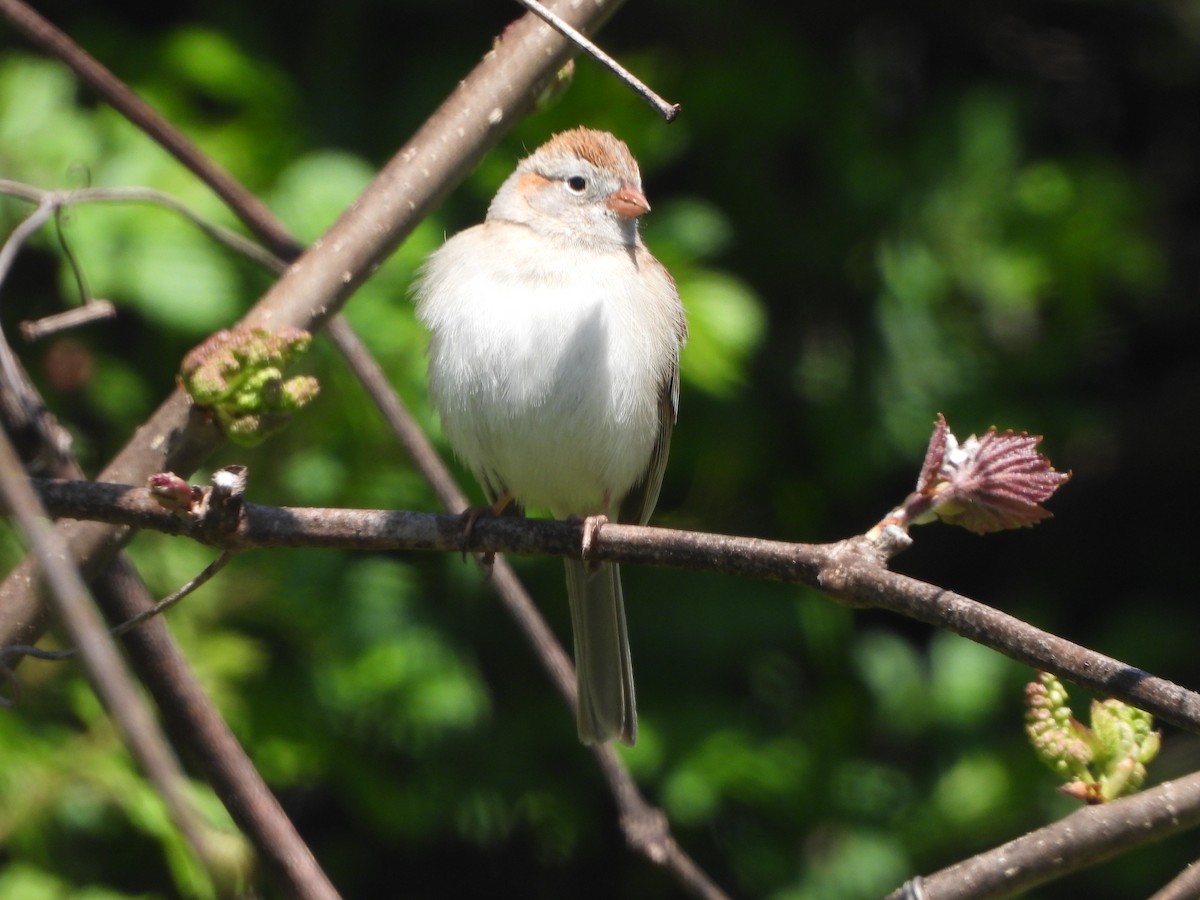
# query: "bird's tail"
603 671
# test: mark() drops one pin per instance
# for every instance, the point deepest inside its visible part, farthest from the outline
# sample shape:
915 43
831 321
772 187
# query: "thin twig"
667 110
72 260
58 199
17 650
23 407
175 596
75 317
20 234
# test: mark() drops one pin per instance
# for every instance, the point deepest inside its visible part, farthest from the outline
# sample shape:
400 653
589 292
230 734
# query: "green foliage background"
874 214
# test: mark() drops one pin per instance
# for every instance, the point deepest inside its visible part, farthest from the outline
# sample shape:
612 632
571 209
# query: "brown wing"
639 502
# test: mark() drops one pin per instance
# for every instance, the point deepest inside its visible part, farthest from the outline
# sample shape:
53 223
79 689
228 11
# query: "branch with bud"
982 484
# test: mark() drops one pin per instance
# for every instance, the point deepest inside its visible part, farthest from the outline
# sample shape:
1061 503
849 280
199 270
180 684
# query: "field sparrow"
554 363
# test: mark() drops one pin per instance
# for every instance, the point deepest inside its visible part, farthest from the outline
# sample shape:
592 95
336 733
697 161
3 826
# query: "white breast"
547 377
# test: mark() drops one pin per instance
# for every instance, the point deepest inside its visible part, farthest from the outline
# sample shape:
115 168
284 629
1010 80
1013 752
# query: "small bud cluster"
1099 763
239 376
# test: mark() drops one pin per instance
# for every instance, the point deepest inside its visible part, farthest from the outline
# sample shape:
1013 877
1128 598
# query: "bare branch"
15 650
219 233
20 234
21 409
1084 838
850 571
175 596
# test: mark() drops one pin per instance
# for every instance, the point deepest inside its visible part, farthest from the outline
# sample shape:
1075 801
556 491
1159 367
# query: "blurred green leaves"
392 675
726 319
77 784
43 134
728 767
995 255
725 323
313 191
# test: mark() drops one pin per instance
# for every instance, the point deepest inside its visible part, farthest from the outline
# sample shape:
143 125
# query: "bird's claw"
471 515
591 531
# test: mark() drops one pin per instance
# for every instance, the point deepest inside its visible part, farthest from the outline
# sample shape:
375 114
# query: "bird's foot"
471 515
591 531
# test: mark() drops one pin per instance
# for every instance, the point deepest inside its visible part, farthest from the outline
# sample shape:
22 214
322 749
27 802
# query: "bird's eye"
577 183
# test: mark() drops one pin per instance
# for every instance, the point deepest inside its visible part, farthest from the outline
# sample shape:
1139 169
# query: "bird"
553 362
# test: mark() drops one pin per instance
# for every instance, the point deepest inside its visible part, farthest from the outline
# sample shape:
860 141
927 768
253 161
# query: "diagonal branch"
124 628
667 110
1084 838
1184 886
103 664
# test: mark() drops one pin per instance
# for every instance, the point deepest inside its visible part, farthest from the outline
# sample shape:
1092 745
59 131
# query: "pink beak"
629 202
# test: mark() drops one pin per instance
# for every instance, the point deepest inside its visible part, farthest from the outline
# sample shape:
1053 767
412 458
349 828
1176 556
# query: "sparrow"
554 366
